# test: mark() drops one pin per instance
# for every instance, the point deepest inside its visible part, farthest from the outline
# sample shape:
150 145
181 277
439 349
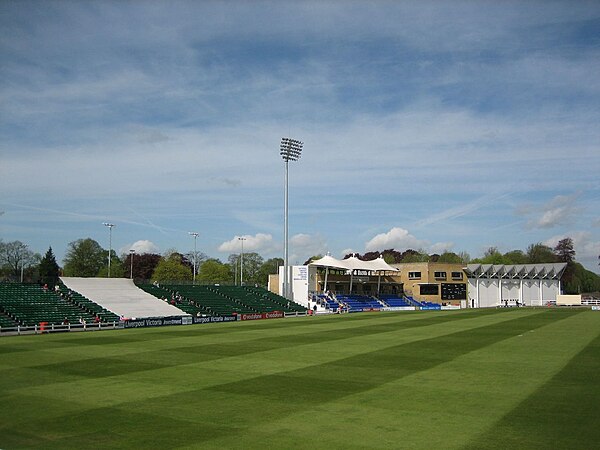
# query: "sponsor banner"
447 307
399 308
370 309
595 308
154 322
177 320
430 308
214 319
260 316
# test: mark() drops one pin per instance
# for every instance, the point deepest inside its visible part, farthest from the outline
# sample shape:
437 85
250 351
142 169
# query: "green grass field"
515 378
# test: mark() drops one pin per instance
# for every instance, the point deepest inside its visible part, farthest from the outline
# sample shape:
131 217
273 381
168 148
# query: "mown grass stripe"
562 413
124 346
280 375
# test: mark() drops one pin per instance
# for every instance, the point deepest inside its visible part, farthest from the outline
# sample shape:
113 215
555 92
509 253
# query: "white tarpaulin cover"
122 297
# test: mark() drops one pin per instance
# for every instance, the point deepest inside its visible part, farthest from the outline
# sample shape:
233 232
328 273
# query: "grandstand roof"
353 263
552 271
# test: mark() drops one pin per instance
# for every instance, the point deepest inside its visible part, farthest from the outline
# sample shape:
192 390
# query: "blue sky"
433 125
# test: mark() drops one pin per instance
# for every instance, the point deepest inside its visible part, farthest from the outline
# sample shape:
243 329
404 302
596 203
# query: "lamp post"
290 150
242 239
131 253
110 227
193 233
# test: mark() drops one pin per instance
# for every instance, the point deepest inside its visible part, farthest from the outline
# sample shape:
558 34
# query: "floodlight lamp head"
109 225
290 149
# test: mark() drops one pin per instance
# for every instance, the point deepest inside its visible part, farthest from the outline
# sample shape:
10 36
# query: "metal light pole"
131 253
110 227
193 233
290 150
242 261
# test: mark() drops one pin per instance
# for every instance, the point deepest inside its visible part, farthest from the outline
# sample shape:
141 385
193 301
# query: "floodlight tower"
242 239
193 233
110 227
290 150
131 253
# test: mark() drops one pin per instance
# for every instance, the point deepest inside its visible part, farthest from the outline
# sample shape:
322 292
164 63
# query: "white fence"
54 328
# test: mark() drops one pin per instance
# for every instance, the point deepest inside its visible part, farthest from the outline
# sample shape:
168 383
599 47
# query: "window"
439 275
429 289
414 275
457 275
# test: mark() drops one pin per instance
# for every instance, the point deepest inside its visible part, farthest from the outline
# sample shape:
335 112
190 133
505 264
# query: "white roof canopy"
353 263
519 271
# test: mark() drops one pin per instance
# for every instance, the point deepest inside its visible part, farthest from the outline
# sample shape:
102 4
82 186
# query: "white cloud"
557 211
441 247
140 247
303 246
260 242
397 238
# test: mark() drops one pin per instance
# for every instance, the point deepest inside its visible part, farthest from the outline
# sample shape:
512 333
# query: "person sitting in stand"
66 321
97 319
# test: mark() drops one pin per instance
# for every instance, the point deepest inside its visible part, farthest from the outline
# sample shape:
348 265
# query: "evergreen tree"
48 269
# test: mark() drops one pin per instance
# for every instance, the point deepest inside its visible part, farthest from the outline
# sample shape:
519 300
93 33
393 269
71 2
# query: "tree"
465 258
84 258
251 266
173 254
492 256
415 256
48 269
449 257
269 267
200 258
15 256
582 281
564 250
172 269
117 269
516 257
214 271
540 253
143 265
